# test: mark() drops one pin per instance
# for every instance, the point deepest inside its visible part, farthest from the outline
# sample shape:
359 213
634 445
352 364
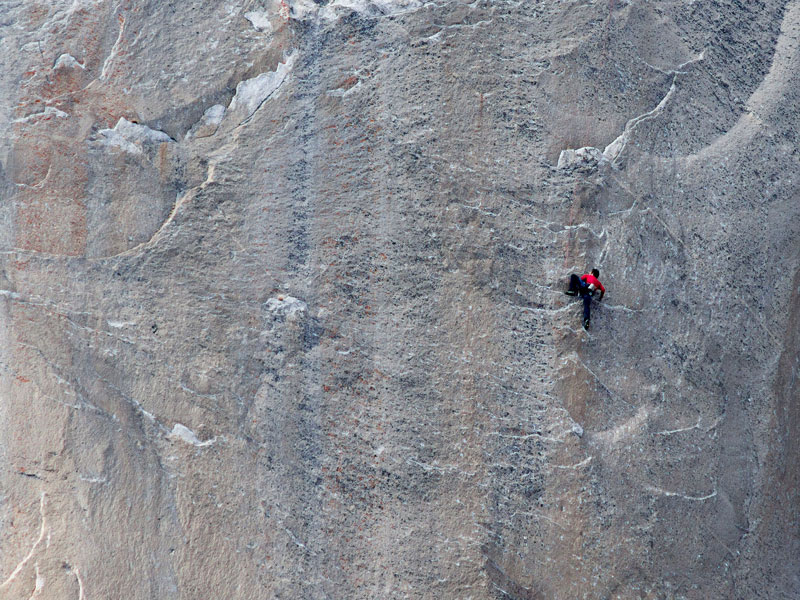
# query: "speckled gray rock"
281 309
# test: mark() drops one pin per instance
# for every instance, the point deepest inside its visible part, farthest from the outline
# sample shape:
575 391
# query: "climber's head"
596 273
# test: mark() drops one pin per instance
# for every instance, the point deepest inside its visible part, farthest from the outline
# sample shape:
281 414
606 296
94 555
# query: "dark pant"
587 301
577 285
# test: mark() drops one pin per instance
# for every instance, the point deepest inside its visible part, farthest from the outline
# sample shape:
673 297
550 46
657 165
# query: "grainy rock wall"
281 309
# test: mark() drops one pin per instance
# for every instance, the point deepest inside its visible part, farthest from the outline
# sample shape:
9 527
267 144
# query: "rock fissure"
657 490
114 49
43 533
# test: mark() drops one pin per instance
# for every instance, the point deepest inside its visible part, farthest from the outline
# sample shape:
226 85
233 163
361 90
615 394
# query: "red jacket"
591 279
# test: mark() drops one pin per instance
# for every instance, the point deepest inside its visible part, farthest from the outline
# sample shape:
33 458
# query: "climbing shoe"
586 323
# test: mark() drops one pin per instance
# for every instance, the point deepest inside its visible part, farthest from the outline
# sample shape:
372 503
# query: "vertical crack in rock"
79 579
43 532
614 150
104 71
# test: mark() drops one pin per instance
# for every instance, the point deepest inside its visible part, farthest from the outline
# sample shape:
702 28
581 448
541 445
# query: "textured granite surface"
282 310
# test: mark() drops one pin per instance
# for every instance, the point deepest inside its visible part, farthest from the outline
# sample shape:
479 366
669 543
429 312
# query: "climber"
586 285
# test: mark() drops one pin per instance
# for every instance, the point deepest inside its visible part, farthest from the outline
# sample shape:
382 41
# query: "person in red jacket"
586 285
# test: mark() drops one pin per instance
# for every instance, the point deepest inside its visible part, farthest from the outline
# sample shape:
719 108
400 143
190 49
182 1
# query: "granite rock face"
282 310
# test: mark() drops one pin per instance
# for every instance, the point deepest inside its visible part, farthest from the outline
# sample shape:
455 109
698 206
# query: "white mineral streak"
43 532
615 148
39 582
657 490
577 465
120 324
107 63
613 151
624 431
79 579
